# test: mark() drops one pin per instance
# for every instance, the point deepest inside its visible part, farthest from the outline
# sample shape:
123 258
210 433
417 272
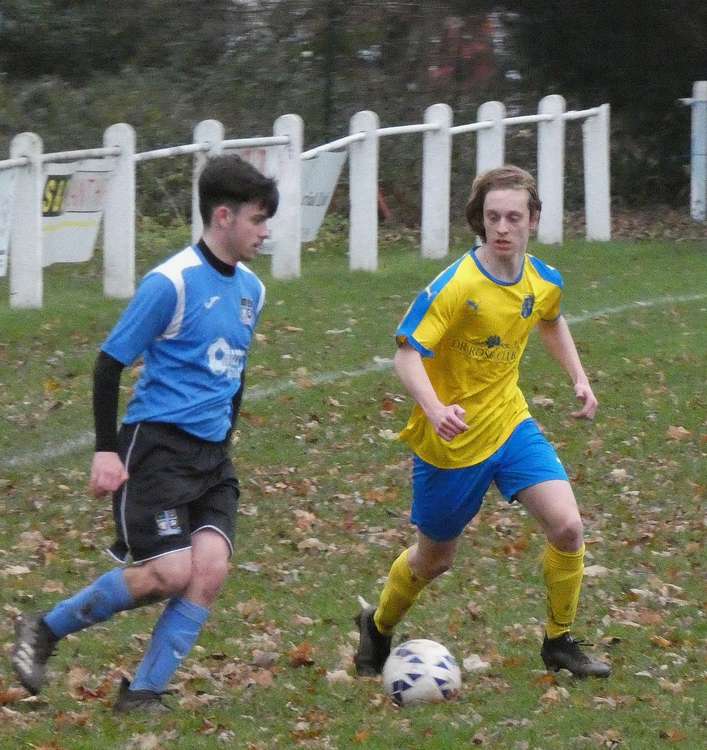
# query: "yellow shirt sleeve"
432 312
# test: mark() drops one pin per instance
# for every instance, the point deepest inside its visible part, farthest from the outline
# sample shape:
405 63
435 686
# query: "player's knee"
440 567
432 566
211 570
209 575
168 580
568 535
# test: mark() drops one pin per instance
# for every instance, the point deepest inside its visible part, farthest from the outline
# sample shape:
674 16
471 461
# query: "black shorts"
178 485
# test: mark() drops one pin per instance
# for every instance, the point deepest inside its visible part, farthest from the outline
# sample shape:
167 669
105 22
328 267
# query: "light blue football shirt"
193 326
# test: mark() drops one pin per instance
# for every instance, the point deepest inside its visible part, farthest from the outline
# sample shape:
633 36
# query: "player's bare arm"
447 420
558 341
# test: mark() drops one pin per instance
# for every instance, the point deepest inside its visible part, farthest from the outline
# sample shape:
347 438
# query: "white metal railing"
162 153
255 142
85 153
21 161
28 159
361 143
527 119
471 127
405 129
581 114
336 145
490 128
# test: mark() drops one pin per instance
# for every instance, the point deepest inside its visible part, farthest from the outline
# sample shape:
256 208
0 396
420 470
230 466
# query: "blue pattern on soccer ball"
399 687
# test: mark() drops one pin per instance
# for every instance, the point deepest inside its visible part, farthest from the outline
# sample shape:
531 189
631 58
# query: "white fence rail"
362 144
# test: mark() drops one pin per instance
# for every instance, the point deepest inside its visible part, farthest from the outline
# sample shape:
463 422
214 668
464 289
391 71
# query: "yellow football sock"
563 578
399 593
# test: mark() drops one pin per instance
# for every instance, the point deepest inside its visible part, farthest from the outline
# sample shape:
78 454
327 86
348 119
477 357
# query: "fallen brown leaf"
302 655
678 433
673 735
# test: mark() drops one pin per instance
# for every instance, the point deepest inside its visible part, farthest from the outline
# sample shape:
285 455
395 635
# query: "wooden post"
436 175
551 169
363 193
119 215
26 261
698 153
491 142
287 222
597 178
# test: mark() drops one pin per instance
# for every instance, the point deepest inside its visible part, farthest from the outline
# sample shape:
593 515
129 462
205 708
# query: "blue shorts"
445 500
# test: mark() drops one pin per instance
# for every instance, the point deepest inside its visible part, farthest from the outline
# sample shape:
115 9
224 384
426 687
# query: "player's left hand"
584 393
107 473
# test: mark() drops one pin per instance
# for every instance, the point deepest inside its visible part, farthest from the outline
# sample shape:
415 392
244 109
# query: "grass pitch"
324 513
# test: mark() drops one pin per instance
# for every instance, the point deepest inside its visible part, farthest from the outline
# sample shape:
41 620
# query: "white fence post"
491 142
119 215
551 169
206 131
698 152
597 175
287 222
436 176
363 193
26 260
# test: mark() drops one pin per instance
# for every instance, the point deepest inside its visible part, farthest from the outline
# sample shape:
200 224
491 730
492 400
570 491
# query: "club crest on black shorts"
168 523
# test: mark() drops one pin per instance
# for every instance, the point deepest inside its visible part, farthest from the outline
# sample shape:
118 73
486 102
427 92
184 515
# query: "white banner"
72 207
320 176
7 204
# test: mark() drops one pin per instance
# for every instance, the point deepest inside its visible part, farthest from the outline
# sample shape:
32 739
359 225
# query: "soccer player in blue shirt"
175 492
459 349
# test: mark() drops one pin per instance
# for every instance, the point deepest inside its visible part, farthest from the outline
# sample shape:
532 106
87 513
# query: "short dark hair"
229 179
502 178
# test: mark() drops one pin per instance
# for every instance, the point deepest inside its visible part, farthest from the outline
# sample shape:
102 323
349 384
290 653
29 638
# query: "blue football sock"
172 639
99 601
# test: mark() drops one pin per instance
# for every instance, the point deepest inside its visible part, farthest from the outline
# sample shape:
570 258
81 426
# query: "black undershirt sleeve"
236 407
106 389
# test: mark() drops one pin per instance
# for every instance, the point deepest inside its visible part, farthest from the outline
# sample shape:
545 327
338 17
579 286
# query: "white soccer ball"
421 671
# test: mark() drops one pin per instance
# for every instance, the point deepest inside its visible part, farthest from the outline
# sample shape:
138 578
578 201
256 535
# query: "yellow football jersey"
472 330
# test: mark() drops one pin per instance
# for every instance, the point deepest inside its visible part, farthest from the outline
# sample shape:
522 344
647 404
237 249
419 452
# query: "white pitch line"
256 393
84 439
640 304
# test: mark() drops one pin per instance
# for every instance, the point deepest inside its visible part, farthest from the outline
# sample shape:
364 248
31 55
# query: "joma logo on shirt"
225 361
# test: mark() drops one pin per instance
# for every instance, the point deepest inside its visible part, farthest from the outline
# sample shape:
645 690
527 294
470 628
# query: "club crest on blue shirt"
527 306
247 311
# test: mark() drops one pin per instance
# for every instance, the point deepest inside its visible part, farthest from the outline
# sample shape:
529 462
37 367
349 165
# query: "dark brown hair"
231 180
509 177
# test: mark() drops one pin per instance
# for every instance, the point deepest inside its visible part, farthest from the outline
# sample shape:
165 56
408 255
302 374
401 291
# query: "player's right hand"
448 421
107 473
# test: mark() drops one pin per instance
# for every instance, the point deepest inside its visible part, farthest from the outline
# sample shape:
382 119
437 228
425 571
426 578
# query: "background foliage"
70 69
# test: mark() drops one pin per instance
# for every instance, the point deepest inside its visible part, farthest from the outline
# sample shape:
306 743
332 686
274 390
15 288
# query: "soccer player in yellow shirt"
459 348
